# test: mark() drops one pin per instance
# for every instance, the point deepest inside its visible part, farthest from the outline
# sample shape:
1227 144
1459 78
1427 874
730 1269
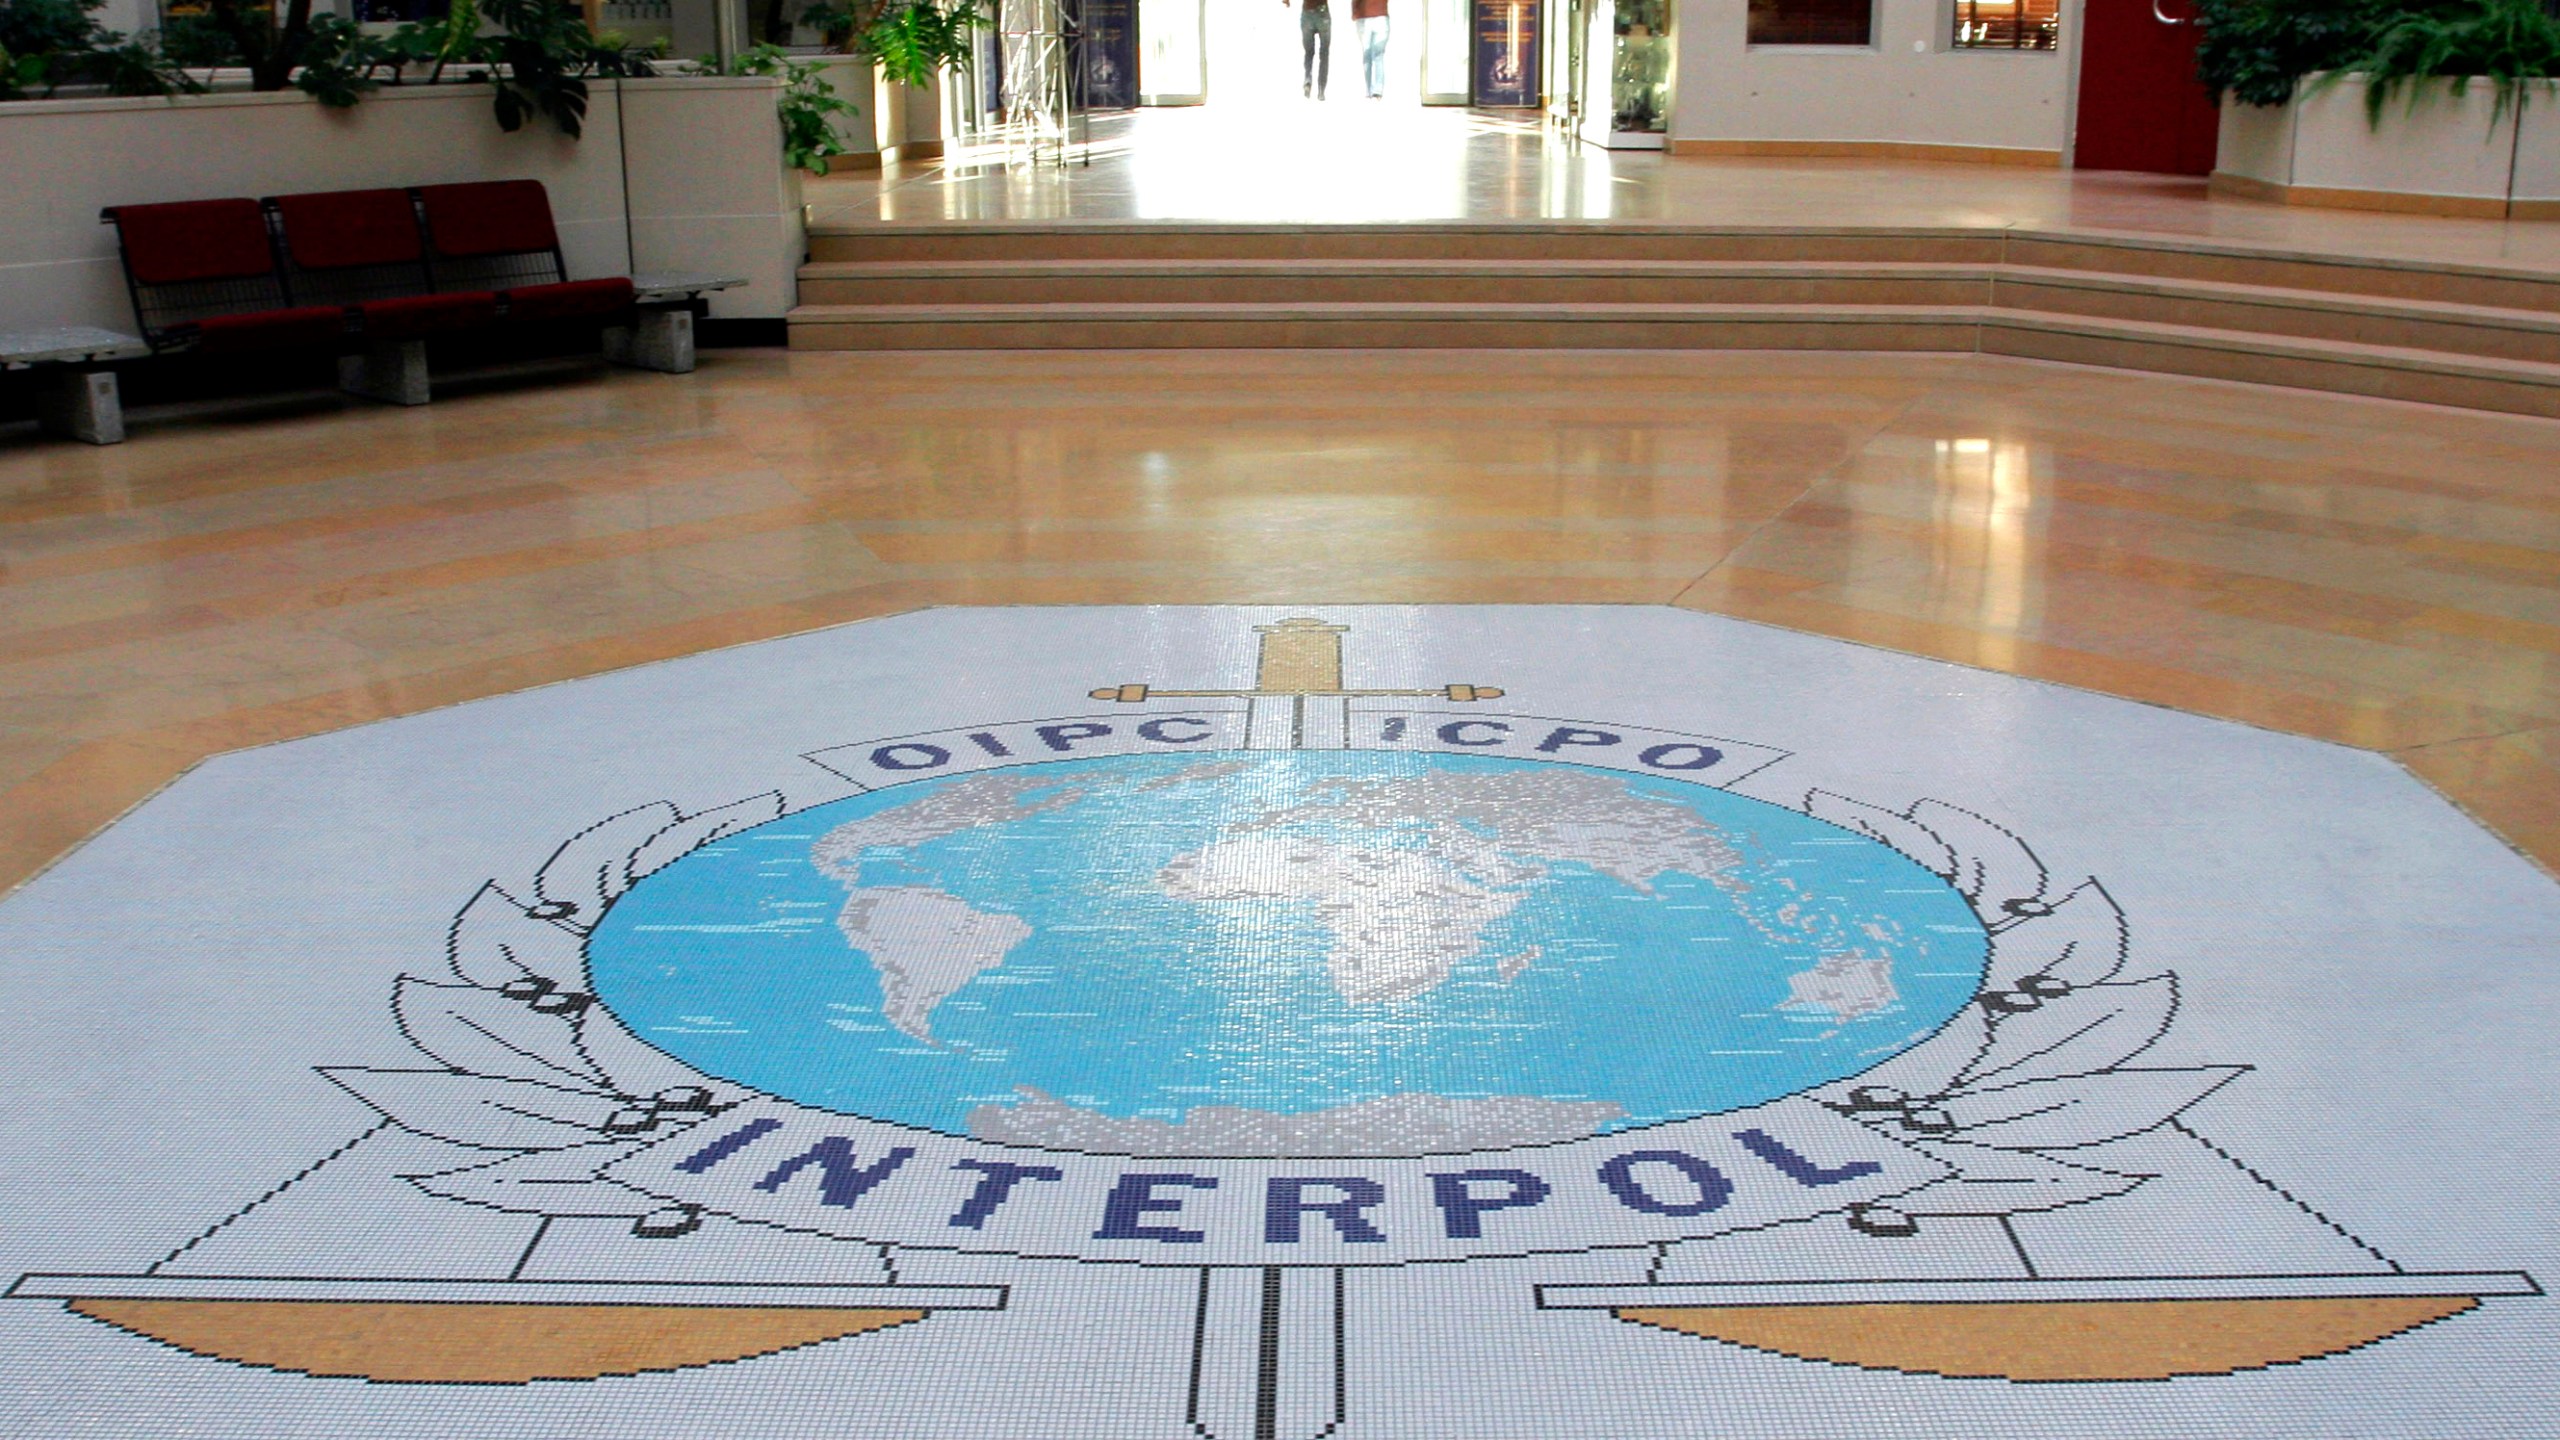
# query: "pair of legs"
1315 39
1373 54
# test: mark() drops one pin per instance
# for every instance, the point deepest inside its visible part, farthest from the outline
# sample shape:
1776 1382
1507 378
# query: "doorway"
2141 105
1246 54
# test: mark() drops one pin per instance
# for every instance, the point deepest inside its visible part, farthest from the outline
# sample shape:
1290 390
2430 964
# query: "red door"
2141 106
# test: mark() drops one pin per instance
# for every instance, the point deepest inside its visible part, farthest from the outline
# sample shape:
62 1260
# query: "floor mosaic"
1280 1022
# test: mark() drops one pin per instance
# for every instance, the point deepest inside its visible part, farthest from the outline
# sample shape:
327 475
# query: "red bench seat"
368 275
571 300
417 317
304 327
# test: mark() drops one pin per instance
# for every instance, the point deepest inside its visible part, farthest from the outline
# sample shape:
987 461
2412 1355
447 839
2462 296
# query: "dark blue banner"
1506 53
1106 69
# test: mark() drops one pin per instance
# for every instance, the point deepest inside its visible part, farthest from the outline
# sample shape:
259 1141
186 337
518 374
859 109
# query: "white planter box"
2448 154
854 79
707 189
895 121
2535 194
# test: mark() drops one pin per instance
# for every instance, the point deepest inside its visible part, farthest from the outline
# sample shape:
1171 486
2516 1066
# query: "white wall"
709 190
707 187
128 17
889 116
2451 147
2535 190
1888 92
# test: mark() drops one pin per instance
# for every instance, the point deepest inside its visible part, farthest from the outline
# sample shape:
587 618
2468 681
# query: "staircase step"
2197 258
2391 372
2343 366
2491 331
2477 335
2484 331
998 282
1519 240
1383 325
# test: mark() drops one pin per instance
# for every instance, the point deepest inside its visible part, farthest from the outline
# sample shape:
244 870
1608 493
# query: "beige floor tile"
2378 574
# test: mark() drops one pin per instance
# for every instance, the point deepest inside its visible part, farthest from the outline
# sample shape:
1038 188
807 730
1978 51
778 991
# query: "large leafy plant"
47 44
2506 42
271 45
911 40
808 106
547 53
438 45
2259 51
539 57
2256 51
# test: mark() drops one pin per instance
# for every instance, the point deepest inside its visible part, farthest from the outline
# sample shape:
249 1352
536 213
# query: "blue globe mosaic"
1307 952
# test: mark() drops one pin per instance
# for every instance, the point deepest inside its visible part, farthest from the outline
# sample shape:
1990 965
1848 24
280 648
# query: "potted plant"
809 105
2380 104
46 45
908 44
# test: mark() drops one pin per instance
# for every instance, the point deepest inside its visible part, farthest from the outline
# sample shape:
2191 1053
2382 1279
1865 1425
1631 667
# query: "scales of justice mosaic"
1282 985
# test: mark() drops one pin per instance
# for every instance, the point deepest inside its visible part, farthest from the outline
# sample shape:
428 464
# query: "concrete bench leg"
394 372
84 405
658 340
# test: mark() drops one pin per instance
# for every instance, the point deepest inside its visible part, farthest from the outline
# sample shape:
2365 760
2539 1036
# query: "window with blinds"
1813 22
2008 24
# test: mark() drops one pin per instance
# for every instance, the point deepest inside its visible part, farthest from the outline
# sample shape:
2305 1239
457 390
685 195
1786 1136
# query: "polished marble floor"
1348 161
2378 574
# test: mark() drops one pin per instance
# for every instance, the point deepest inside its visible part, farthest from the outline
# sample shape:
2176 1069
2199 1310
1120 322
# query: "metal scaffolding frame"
1042 119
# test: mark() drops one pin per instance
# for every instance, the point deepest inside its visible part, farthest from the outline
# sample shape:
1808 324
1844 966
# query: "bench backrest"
491 235
197 258
344 247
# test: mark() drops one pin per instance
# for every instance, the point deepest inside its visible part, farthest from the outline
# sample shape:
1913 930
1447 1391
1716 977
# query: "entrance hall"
1829 718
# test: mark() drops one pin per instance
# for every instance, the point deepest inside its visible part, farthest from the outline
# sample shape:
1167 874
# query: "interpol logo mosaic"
1271 983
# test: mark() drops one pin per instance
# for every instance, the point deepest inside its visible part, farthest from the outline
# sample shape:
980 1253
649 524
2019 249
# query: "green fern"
2257 51
2508 43
913 42
808 106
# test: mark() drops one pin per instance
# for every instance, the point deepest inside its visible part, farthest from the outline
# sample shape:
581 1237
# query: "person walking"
1315 41
1370 18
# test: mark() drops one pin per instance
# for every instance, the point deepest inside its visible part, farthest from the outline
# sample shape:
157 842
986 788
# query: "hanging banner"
1506 53
1106 71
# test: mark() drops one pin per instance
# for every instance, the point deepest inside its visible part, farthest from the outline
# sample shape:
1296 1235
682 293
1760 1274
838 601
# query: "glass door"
1566 64
1628 90
1445 32
1173 52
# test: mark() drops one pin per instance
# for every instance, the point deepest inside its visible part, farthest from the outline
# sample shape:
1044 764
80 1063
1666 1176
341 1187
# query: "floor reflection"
1985 499
1279 158
2378 574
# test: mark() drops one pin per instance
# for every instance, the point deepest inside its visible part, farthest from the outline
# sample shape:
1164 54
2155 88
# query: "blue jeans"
1315 35
1373 54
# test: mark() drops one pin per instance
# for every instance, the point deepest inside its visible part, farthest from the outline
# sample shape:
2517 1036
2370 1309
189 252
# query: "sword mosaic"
1264 1025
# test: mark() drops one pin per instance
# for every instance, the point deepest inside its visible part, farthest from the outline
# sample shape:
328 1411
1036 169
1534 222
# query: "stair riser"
1455 288
888 243
2300 373
1374 334
2348 277
2345 277
2490 342
2166 357
2448 335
